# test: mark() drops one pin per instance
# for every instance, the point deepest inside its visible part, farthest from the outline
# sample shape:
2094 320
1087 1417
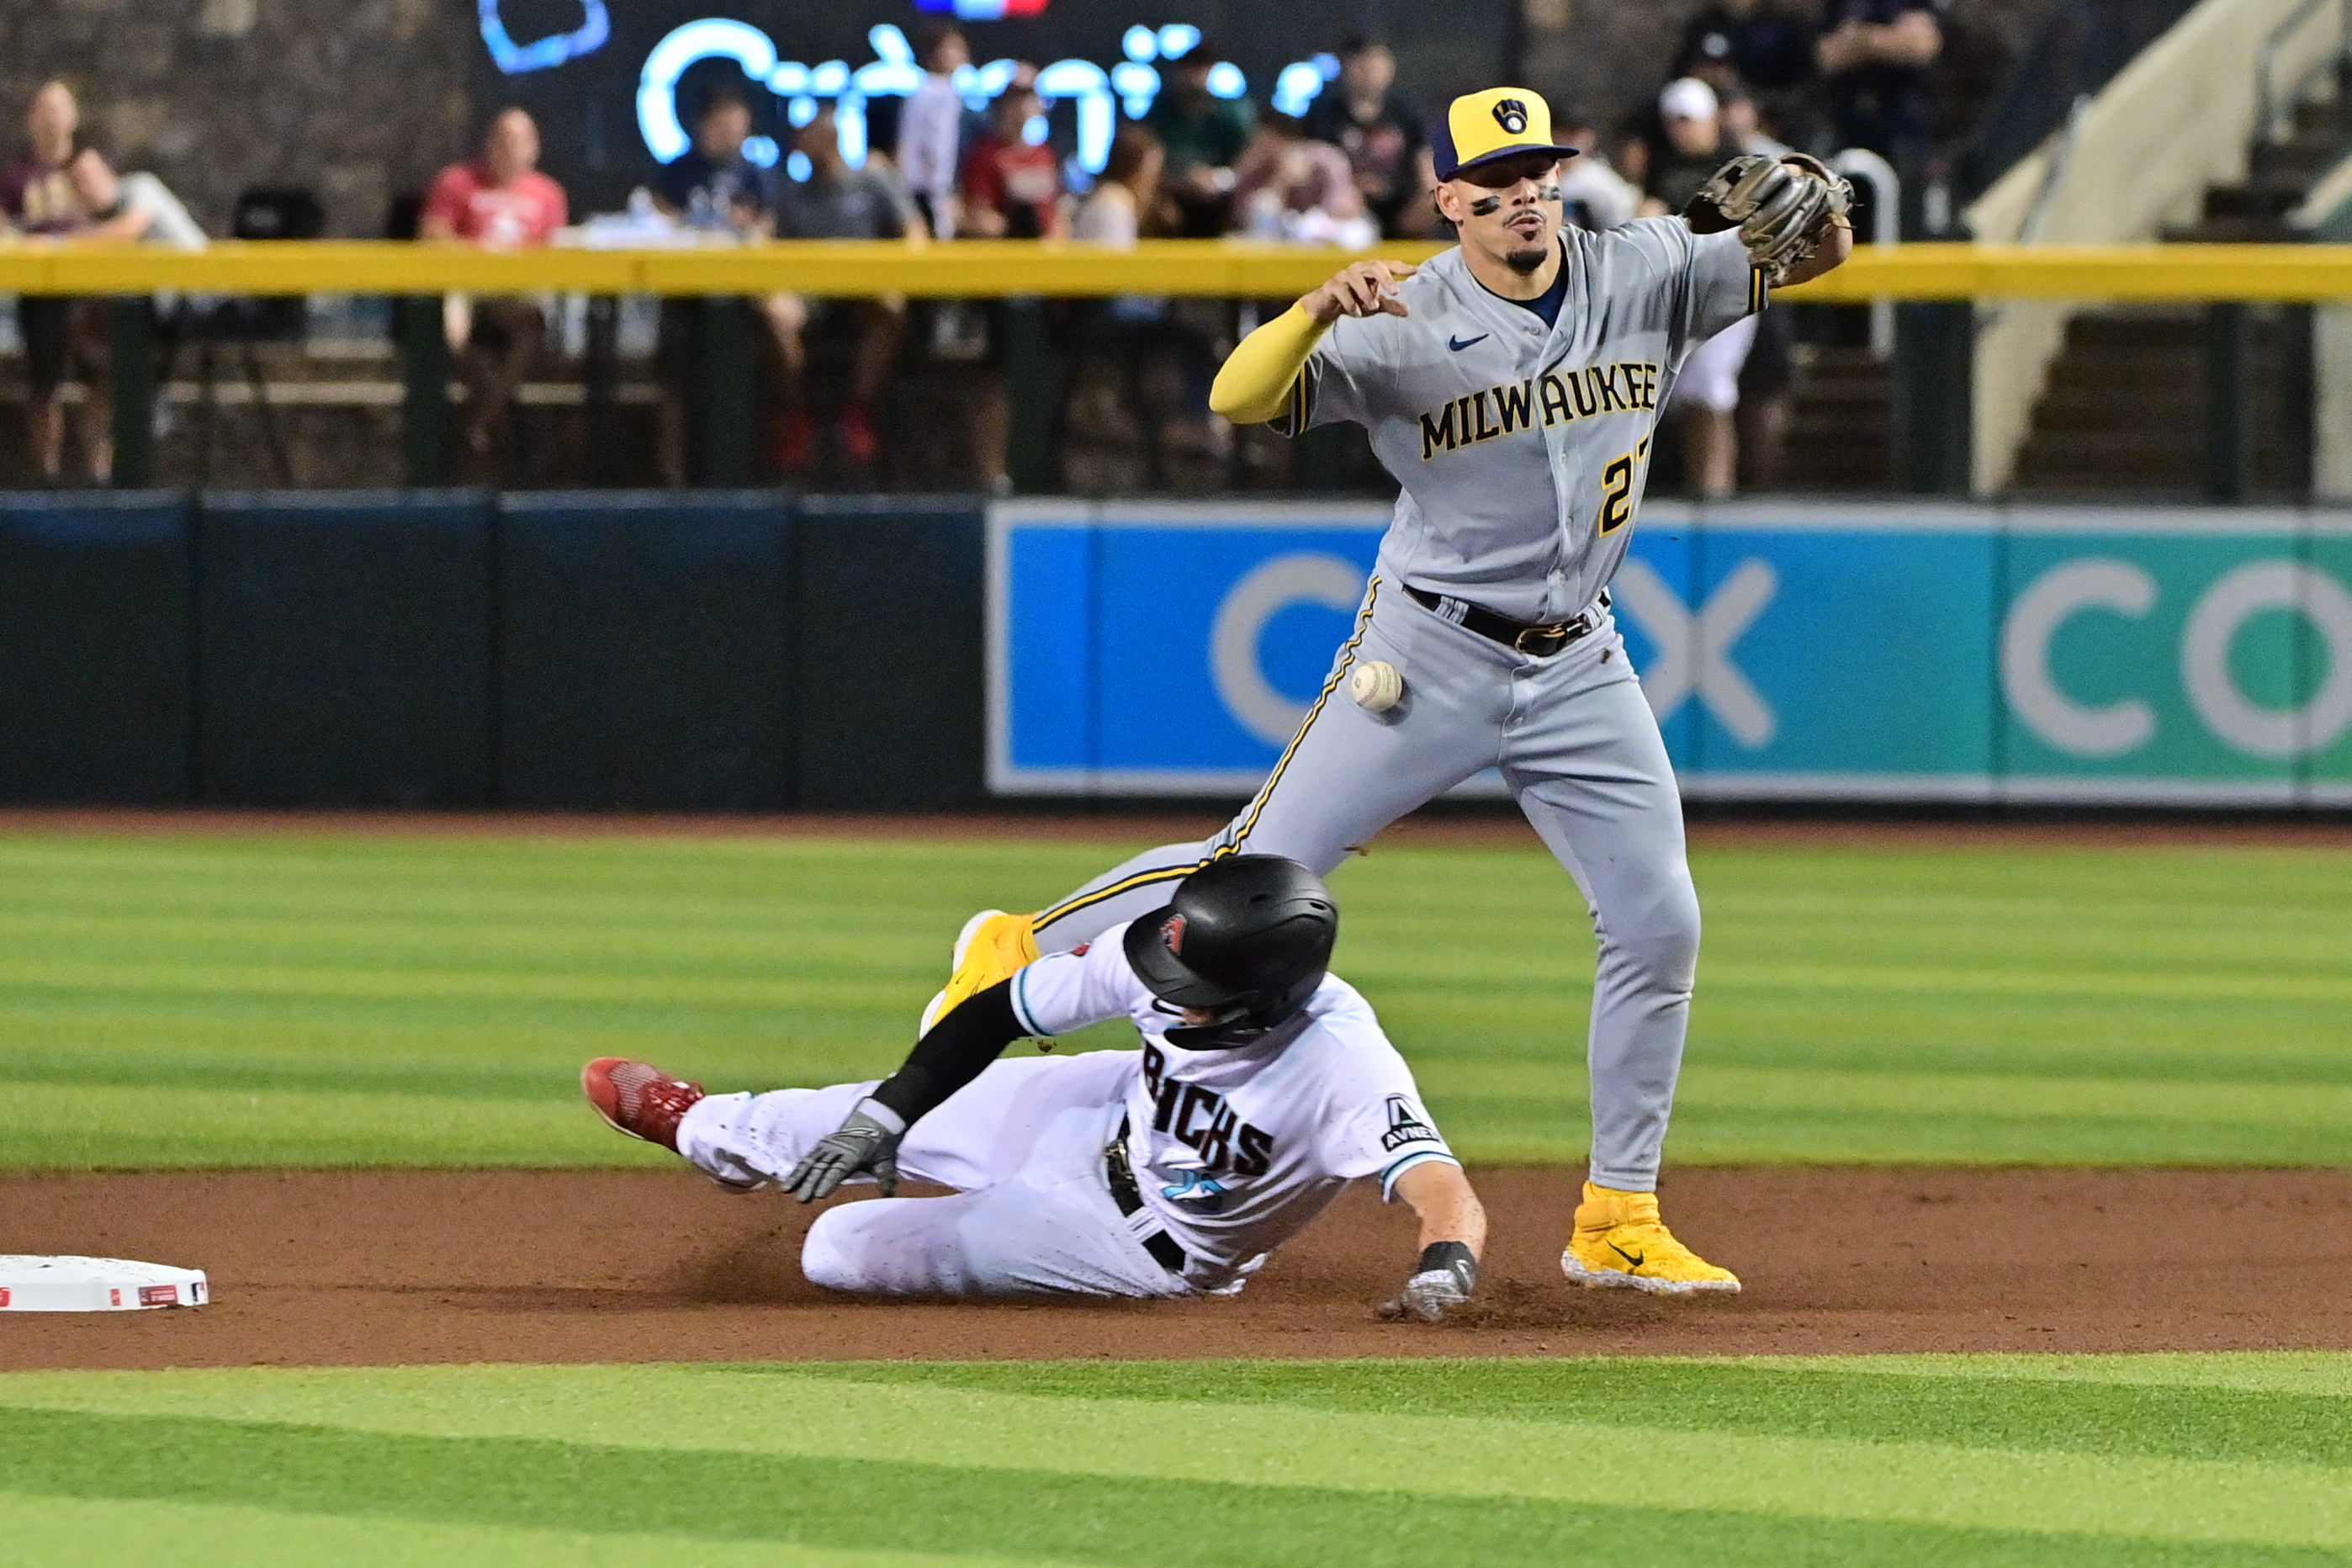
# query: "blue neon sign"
595 28
1097 94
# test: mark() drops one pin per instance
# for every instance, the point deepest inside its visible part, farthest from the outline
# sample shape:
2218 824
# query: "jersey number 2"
1617 489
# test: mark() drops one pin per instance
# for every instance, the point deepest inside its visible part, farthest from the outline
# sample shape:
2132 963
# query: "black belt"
1129 1198
1535 641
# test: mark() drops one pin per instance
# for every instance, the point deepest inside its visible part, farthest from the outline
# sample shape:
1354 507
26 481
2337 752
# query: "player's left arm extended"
1453 1238
1790 212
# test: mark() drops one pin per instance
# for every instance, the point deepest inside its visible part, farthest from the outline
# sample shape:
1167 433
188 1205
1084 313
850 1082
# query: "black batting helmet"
1247 936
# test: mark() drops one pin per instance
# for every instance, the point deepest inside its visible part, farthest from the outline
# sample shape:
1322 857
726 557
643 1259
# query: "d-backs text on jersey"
1553 397
1200 1119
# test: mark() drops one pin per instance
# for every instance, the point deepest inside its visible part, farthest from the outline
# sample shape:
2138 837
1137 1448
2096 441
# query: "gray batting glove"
866 1144
1443 1280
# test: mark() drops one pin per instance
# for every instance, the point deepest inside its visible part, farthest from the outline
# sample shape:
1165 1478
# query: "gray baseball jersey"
1522 448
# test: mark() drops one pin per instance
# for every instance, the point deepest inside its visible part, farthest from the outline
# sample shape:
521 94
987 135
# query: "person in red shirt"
500 201
1012 190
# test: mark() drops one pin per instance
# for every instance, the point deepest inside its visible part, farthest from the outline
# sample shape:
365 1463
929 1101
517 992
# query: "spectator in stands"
1116 211
1769 370
712 184
498 201
713 187
1012 190
1012 186
1596 195
136 205
61 334
931 131
1288 185
1387 146
1877 59
1205 136
837 202
1757 45
1694 145
1705 396
1135 328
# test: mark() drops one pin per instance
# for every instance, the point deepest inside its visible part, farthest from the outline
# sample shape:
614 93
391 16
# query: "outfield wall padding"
97 693
344 649
892 654
646 651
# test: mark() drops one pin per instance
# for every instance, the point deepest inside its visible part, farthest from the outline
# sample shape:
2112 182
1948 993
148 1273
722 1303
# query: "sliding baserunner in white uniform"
1511 386
1264 1086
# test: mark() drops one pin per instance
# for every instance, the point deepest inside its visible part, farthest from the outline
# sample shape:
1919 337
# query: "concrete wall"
354 98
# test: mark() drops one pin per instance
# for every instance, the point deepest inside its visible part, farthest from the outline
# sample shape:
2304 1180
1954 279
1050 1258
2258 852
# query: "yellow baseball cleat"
992 946
1621 1244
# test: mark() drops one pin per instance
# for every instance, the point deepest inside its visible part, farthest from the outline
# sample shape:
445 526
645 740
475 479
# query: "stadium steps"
1840 420
2124 409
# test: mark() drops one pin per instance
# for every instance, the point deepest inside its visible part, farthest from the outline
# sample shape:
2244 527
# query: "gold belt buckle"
1556 634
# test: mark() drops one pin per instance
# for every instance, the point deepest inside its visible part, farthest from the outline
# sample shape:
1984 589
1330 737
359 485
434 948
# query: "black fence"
599 651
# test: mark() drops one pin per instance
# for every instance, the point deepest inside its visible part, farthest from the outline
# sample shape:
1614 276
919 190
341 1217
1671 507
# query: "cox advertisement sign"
1790 650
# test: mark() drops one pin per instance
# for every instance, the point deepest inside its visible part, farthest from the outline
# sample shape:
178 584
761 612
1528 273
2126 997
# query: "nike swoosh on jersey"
1458 344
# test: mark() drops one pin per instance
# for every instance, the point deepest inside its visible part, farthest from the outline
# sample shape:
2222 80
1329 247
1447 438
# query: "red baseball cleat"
639 1099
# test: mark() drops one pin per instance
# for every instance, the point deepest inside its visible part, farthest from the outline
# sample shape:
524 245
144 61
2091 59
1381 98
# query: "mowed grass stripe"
2301 1414
2108 1004
915 1505
48 1530
1814 1466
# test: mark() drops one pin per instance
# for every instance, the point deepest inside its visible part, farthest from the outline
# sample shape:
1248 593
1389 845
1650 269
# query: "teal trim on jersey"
1021 1014
1418 1157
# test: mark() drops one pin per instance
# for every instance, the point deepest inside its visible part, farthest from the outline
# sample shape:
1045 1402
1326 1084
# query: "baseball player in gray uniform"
1511 385
1263 1087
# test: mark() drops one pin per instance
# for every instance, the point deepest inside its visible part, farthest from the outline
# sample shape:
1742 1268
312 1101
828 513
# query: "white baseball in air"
1376 686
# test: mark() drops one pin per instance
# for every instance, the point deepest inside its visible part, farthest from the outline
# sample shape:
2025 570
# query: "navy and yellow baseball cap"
1500 122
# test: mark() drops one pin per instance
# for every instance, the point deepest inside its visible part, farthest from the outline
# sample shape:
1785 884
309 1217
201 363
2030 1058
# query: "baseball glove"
1783 207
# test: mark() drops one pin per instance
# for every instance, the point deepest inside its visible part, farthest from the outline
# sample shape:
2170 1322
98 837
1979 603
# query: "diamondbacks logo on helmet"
1172 933
1511 114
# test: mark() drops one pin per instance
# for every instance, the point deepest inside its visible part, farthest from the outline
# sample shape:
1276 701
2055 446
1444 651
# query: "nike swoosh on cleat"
1635 1258
1458 344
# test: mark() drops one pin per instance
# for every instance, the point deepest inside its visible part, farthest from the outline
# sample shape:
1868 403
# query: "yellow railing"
1207 268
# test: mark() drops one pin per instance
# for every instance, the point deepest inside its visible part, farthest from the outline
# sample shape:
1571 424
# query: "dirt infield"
378 1268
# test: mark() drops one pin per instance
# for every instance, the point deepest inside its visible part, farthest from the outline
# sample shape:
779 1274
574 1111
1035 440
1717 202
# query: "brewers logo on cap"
1500 122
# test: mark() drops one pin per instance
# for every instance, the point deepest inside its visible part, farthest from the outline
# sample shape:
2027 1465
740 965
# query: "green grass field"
332 999
2241 1460
190 1001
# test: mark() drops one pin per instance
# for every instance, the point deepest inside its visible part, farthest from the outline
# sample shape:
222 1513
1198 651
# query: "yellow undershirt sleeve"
1254 385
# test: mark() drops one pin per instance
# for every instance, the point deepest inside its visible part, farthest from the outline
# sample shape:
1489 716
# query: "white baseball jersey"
1236 1150
1521 448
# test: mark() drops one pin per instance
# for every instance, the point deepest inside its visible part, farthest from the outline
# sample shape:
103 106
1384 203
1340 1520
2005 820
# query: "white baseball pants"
1022 1144
1576 743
